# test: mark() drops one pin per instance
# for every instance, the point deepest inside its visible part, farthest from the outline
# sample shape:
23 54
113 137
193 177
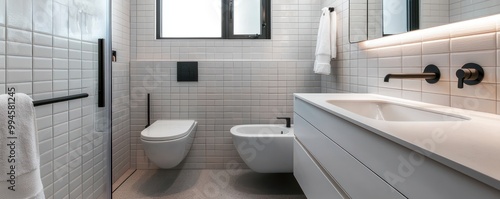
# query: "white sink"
464 140
387 111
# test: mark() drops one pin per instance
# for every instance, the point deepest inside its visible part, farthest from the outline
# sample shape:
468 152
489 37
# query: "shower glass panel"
49 48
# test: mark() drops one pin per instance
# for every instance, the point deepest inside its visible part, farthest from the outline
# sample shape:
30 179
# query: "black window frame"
227 23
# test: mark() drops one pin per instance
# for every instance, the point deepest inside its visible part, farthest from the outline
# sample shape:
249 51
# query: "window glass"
191 19
247 20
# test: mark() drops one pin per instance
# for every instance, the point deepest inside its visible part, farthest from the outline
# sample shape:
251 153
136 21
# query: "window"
228 19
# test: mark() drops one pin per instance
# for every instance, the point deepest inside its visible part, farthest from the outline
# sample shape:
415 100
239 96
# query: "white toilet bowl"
167 142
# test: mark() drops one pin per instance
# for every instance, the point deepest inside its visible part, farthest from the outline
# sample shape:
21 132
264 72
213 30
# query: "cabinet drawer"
312 180
355 178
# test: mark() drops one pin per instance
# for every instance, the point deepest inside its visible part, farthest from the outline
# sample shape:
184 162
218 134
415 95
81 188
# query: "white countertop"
470 146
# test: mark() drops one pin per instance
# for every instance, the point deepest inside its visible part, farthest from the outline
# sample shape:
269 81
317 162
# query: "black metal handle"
149 110
470 74
59 99
101 98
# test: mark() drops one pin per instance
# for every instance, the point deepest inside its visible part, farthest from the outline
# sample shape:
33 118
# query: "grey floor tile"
201 184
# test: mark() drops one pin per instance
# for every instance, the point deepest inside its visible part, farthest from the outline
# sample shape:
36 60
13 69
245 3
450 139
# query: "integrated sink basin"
464 140
387 111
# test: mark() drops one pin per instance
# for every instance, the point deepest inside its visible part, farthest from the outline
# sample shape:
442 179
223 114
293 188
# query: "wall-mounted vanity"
370 146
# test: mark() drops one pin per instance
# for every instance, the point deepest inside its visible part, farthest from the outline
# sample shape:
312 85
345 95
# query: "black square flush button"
187 71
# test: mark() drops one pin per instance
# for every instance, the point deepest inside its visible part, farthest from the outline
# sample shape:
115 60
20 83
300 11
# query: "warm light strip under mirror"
474 26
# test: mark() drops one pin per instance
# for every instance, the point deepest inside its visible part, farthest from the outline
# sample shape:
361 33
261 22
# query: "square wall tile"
42 16
441 87
412 49
60 20
390 62
438 99
440 60
498 40
2 33
412 95
2 62
2 10
20 14
483 58
2 76
436 47
19 76
474 43
482 90
498 64
412 62
498 108
482 105
392 51
20 36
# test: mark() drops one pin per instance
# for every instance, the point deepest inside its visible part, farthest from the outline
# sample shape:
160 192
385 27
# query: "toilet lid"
168 129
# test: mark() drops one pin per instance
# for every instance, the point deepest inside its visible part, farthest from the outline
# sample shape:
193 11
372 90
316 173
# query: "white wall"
360 68
241 81
121 87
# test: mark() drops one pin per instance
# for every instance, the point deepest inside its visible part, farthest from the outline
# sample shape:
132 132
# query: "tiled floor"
201 184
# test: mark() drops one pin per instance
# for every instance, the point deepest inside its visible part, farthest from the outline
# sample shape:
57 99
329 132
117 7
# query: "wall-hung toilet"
167 142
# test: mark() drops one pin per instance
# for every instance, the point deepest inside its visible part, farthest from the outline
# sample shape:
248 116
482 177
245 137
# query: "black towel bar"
59 99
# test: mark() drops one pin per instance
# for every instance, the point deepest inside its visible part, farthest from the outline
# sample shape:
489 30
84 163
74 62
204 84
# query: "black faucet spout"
431 74
288 121
387 77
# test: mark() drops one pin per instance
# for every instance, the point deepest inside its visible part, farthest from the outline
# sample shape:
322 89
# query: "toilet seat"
164 130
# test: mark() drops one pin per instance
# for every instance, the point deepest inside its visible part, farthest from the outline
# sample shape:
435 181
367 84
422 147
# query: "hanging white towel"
19 145
326 44
333 34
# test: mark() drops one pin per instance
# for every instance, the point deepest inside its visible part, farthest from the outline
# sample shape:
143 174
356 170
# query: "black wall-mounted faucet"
288 121
470 74
431 74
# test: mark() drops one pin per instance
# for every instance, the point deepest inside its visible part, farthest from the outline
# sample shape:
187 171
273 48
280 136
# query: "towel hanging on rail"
326 44
20 156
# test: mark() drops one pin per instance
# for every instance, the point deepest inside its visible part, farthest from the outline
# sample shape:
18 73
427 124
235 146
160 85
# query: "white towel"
326 44
333 34
23 143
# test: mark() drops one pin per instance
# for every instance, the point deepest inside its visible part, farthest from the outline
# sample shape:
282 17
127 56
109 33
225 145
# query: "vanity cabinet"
360 164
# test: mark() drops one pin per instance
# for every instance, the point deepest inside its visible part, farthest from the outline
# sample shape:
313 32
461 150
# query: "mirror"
372 19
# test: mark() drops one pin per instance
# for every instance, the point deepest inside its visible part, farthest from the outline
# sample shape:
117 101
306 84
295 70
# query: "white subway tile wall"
46 65
121 88
449 47
294 29
241 81
434 13
464 9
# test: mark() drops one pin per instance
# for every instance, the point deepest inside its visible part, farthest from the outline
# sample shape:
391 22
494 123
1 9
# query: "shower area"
50 49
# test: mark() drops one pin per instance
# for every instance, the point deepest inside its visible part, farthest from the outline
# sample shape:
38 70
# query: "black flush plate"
187 71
